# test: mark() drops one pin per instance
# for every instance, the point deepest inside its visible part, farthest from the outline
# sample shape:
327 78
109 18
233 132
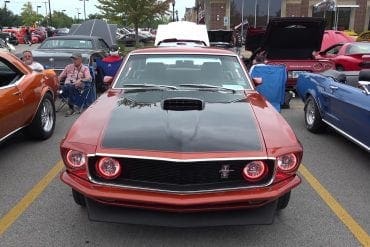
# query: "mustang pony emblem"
225 171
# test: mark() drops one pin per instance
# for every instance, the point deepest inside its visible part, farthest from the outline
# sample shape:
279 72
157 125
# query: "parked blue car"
338 100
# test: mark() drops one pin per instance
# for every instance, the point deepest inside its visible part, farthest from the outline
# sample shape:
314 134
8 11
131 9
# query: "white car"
181 33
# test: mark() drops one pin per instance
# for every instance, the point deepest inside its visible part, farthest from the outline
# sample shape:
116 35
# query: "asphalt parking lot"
330 208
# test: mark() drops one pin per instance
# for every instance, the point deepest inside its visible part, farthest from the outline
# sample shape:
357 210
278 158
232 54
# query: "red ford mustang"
181 139
26 99
353 56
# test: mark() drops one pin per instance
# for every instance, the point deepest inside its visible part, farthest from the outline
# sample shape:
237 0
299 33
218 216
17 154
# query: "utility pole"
46 12
51 22
84 8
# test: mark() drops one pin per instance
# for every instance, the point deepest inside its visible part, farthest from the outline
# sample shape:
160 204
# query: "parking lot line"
8 219
26 201
340 212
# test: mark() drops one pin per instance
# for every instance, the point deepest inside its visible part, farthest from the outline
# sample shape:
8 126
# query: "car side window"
334 50
8 75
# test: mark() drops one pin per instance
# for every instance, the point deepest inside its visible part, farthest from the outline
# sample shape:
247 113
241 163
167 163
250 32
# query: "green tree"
133 12
61 20
95 16
8 19
28 15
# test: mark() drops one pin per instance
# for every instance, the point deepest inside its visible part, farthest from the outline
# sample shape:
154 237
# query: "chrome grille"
181 176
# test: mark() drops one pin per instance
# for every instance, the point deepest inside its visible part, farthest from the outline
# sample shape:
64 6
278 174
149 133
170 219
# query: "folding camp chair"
105 69
273 83
80 98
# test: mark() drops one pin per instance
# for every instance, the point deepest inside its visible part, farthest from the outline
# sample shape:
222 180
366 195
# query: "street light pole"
51 22
173 10
5 2
46 13
84 8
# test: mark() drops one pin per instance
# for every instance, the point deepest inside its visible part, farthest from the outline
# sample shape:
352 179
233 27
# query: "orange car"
26 99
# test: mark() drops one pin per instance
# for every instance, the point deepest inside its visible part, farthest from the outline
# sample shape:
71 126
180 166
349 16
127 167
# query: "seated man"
75 76
28 60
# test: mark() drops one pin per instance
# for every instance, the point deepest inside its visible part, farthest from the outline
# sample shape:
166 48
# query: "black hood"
224 122
96 27
293 37
220 37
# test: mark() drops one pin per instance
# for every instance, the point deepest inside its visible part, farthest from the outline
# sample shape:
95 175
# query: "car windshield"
191 71
358 48
67 44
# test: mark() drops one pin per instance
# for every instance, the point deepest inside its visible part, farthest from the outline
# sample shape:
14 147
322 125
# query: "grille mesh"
181 176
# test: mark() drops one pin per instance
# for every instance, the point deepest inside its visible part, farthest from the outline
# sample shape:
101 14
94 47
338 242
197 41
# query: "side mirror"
322 53
257 81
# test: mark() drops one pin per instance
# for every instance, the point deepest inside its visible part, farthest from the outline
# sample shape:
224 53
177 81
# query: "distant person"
28 37
259 60
74 76
49 32
28 60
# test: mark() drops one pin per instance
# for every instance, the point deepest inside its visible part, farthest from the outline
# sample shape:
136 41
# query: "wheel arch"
45 91
313 94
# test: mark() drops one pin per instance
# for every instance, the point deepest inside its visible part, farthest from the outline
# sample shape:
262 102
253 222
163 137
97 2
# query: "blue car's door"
326 88
350 109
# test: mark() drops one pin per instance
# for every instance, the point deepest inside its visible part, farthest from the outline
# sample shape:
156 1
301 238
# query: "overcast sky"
71 6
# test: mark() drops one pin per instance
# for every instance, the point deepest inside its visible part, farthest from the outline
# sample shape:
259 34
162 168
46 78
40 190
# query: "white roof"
182 31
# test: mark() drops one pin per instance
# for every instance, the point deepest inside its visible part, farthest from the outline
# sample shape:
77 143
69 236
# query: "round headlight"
108 168
254 171
287 162
76 159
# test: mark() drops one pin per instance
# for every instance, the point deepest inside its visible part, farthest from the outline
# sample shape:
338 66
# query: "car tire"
283 201
312 117
78 198
43 123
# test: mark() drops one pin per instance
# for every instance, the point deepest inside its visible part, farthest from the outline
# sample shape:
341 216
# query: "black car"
55 52
221 38
92 39
8 37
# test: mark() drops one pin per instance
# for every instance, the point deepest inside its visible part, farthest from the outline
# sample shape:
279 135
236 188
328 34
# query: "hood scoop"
182 104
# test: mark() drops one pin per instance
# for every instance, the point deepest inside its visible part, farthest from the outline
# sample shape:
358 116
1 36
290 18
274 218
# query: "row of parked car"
198 137
128 36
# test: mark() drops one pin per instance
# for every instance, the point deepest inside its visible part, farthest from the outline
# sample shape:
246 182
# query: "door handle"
333 87
17 93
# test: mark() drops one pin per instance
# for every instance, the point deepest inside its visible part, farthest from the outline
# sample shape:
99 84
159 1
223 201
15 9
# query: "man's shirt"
71 73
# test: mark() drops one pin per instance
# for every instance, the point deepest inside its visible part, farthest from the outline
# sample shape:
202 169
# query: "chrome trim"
11 133
179 160
182 192
348 136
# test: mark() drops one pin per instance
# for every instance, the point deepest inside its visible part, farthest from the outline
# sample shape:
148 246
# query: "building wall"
360 16
215 10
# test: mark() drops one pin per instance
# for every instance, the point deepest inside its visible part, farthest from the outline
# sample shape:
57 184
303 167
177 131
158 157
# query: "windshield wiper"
207 87
148 86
